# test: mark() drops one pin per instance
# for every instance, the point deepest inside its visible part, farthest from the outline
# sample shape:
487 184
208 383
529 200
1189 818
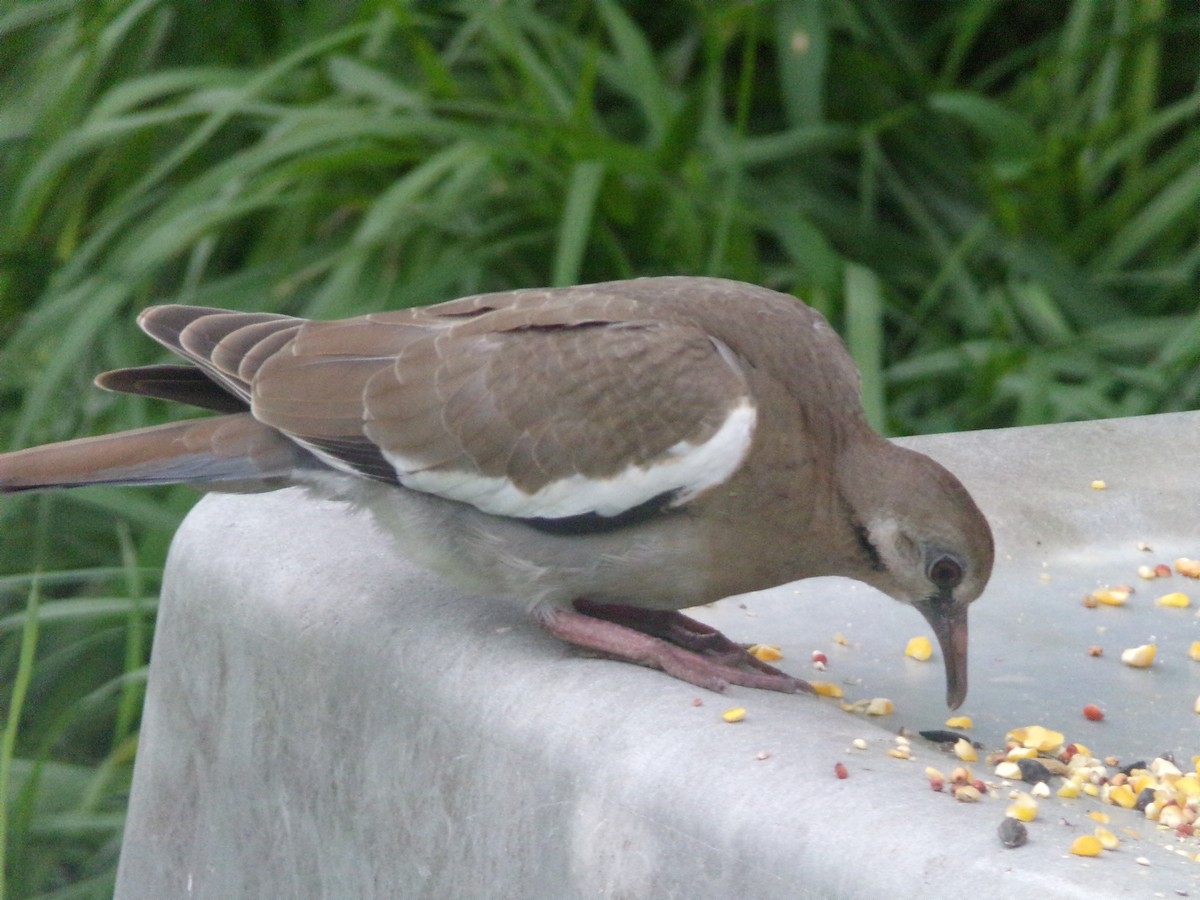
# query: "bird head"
923 541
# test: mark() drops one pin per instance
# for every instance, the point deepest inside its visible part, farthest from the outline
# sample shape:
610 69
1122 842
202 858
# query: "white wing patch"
686 468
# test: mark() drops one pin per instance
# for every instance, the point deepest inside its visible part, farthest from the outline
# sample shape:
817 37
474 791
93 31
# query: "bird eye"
946 572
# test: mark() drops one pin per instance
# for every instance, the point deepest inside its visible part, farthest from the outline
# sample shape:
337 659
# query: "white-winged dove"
610 454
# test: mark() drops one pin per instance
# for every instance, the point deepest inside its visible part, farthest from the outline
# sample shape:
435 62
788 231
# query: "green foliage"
997 203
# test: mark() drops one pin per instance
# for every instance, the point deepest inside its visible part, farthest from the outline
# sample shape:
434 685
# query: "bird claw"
668 640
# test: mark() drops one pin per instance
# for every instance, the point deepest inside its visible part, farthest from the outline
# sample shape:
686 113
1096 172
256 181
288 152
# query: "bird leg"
678 645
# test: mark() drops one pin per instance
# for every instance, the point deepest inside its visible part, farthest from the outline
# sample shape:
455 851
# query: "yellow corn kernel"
1101 817
734 715
1123 796
1099 484
841 640
828 689
1086 845
964 722
919 649
880 706
1090 789
1111 596
765 652
1024 808
1035 737
1174 600
1107 839
900 753
933 774
1069 790
964 751
1141 782
1139 657
1021 753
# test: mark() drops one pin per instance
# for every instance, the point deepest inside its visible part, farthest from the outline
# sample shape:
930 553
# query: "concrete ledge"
325 720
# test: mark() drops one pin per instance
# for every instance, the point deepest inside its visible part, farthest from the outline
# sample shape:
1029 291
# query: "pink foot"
680 646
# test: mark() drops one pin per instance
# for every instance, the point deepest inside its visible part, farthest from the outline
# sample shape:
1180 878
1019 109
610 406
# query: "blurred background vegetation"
996 203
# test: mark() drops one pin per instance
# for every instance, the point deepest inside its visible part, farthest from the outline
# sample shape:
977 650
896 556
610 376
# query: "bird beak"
949 623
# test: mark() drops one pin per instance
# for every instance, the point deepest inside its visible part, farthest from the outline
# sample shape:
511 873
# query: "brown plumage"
610 453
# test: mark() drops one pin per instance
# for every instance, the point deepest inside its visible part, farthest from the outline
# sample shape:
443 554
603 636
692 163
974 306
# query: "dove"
607 454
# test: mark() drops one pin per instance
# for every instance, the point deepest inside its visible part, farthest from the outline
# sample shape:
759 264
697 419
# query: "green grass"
996 203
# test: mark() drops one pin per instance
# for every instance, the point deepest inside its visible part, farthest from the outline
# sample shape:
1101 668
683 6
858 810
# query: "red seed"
819 657
979 786
936 784
840 771
1162 571
1185 829
1093 713
1095 651
1068 752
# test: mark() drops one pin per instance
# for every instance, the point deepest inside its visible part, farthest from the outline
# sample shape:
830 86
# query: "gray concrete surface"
323 720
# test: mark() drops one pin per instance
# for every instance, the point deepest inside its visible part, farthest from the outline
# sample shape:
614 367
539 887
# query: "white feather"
686 468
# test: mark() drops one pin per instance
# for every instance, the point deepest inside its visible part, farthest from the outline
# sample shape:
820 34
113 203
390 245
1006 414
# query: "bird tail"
217 452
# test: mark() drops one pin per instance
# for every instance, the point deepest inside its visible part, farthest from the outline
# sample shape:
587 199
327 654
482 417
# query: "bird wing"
533 404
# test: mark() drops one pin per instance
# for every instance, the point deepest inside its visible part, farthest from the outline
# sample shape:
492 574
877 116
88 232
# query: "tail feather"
216 452
179 384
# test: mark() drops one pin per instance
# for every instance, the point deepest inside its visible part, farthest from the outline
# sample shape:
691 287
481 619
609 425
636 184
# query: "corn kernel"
964 722
900 753
1122 796
1170 816
933 774
828 689
1101 817
1164 768
967 793
765 652
1023 809
1069 790
964 751
1086 845
880 706
1090 789
919 649
1189 568
1194 651
1099 484
1107 839
1008 770
1139 657
1041 789
1035 737
734 715
1174 600
1110 596
1141 782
